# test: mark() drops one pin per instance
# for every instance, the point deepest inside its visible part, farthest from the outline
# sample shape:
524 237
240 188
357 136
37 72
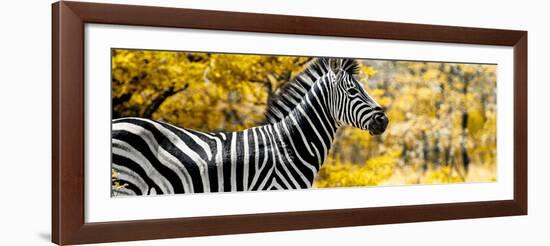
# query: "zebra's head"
352 105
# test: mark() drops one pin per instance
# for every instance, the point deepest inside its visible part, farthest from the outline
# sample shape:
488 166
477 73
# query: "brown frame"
68 19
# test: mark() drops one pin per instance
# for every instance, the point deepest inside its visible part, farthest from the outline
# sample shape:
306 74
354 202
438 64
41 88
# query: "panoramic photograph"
196 122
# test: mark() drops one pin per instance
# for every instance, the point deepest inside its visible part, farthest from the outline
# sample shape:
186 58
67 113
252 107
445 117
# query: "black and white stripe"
151 157
292 92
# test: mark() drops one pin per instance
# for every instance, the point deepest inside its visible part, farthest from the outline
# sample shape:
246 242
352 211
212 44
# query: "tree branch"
155 104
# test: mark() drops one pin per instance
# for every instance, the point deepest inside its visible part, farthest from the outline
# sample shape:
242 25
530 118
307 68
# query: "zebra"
153 157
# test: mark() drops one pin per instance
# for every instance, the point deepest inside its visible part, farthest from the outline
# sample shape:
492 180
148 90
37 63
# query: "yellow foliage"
222 91
475 121
442 175
347 174
115 182
367 71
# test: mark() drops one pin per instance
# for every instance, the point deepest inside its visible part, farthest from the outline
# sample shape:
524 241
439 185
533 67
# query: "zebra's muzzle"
378 124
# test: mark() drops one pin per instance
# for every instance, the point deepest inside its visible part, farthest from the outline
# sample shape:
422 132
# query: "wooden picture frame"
68 224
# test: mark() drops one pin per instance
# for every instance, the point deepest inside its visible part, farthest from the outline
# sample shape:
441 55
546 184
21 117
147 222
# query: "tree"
208 92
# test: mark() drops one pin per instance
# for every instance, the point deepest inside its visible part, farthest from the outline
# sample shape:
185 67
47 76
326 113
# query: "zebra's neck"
310 127
292 92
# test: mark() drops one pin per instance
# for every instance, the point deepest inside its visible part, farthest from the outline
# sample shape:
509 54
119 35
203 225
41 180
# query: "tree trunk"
465 157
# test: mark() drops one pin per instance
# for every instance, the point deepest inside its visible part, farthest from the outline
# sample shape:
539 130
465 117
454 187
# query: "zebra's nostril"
380 122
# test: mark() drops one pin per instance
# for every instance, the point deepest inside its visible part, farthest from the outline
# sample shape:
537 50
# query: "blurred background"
442 115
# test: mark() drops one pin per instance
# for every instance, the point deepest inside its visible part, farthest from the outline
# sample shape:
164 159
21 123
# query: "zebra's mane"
292 92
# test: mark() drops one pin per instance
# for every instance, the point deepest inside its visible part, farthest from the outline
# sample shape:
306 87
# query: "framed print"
172 122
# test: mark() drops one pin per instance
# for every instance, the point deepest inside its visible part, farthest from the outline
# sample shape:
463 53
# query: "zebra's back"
151 157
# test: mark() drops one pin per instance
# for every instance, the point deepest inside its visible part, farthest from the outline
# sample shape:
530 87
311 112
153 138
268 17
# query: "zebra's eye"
352 91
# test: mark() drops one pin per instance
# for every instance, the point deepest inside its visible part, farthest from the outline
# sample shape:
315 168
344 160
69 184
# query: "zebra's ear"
335 66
